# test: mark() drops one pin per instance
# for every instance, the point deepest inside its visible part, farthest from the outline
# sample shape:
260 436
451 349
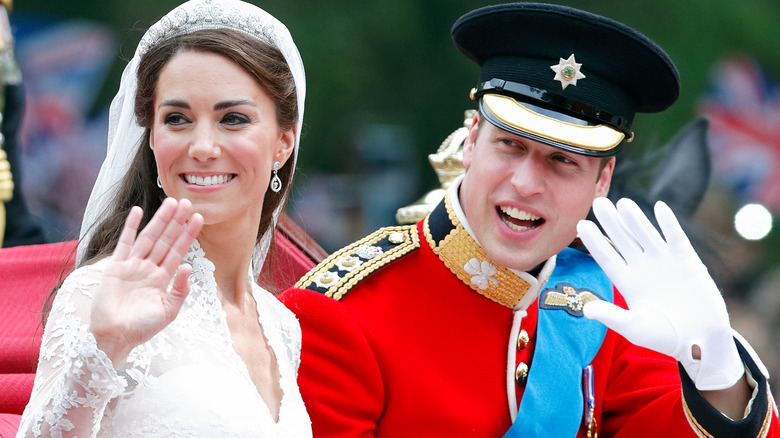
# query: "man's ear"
468 144
605 178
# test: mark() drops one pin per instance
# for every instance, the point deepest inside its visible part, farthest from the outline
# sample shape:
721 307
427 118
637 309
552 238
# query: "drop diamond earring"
276 182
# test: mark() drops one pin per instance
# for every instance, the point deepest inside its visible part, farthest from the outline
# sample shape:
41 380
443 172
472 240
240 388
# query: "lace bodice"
187 381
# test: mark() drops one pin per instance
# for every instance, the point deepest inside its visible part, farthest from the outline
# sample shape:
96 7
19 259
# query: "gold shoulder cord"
403 238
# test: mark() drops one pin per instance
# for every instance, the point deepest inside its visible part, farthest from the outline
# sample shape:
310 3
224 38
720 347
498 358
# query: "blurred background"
386 86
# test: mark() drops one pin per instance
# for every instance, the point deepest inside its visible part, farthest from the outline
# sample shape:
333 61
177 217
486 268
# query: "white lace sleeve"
75 380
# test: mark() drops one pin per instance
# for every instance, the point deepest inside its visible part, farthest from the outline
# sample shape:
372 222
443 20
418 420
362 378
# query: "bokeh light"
753 221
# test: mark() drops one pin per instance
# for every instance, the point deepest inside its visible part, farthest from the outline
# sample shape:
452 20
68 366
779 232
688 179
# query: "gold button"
522 339
521 373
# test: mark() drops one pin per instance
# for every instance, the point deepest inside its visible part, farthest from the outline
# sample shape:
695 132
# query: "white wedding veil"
124 133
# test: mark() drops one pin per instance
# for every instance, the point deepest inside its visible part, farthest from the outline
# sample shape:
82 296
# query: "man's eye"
563 159
234 119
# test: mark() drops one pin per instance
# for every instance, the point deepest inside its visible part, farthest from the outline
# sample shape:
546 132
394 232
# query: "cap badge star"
567 72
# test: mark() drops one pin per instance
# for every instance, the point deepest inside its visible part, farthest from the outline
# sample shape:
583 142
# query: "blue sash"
566 342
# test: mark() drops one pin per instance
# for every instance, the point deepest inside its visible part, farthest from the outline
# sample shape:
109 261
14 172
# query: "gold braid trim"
768 417
702 432
411 241
698 428
458 248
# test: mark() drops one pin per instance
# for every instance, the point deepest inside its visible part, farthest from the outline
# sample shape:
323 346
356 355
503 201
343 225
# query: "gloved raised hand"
673 303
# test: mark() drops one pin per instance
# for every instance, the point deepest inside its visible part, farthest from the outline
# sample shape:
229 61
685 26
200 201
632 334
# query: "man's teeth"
516 227
519 214
208 180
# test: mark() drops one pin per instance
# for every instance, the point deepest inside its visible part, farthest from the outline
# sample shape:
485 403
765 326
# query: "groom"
483 319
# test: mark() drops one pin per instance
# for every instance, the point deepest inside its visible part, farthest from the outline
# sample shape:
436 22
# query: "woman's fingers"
184 239
171 232
127 237
152 231
179 291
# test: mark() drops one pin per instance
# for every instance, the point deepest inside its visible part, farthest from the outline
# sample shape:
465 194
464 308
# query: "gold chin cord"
9 73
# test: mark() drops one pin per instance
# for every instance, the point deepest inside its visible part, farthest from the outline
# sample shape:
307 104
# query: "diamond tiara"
196 15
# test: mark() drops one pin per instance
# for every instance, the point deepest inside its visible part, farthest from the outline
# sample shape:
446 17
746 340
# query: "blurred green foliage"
392 61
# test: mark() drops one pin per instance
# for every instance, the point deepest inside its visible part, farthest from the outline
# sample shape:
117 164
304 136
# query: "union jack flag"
743 106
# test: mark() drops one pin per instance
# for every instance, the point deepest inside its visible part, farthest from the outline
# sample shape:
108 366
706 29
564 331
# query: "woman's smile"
211 180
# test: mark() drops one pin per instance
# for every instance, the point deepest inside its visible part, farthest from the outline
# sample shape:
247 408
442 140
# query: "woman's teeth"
208 180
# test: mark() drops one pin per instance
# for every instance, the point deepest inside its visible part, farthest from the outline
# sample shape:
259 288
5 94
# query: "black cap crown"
562 76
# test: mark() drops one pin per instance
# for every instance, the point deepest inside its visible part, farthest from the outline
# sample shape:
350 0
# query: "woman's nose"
204 145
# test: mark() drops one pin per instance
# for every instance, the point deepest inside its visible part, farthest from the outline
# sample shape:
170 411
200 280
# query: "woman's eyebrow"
174 102
231 103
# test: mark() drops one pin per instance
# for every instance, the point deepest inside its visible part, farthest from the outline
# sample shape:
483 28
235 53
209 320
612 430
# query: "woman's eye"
235 119
175 119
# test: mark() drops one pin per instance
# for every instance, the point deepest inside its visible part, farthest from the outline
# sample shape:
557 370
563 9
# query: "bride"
162 330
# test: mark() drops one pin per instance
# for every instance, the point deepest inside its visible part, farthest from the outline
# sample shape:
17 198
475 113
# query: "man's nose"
528 176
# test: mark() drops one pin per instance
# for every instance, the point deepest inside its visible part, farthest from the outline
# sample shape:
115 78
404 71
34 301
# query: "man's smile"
518 220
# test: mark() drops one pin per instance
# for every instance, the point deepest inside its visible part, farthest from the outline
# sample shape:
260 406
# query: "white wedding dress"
187 381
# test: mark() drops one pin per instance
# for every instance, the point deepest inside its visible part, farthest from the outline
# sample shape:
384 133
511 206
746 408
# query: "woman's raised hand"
133 302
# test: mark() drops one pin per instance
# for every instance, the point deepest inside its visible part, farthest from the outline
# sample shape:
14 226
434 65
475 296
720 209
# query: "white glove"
673 302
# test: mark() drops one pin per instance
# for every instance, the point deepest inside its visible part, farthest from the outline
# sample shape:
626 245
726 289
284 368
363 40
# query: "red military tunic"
414 349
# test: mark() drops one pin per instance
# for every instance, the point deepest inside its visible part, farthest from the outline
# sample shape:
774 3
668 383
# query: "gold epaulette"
347 267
